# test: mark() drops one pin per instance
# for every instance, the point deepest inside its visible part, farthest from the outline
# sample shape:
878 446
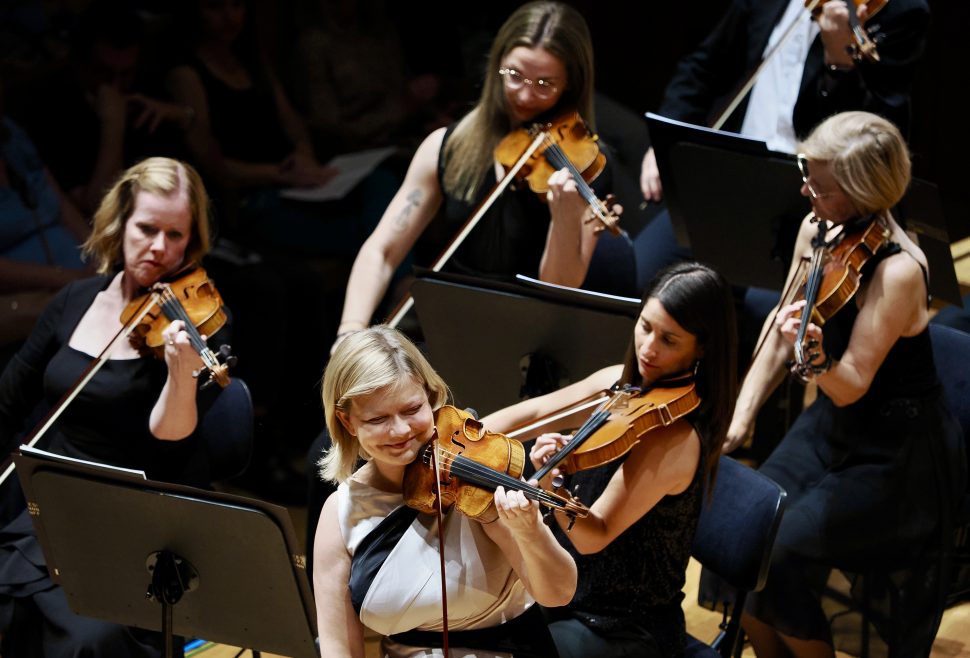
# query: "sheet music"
536 283
352 168
44 454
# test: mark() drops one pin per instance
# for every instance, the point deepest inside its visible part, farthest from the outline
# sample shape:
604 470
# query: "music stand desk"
738 206
100 529
477 333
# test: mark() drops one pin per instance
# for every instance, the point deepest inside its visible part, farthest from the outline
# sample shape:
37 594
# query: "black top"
638 578
908 370
108 420
245 122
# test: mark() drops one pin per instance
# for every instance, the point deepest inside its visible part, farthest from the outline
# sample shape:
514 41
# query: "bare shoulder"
672 453
328 537
429 150
604 378
902 269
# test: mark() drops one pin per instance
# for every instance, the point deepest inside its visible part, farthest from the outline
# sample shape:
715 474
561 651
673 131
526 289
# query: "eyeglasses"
515 80
802 160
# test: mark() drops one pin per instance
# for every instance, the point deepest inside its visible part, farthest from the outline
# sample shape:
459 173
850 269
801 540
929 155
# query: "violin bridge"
665 416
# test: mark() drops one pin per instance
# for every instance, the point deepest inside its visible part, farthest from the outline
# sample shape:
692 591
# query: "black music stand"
738 206
496 343
734 202
109 537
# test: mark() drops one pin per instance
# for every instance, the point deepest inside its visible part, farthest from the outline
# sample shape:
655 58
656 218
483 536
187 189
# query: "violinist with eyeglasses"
139 410
540 66
873 466
644 499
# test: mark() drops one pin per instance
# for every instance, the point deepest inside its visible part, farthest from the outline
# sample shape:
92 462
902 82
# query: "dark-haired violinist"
136 411
377 566
633 547
809 74
872 466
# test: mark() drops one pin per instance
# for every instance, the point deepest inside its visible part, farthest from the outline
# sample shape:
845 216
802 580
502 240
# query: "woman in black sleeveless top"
540 65
872 465
633 548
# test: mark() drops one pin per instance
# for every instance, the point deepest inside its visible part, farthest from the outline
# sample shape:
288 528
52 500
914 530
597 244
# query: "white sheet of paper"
352 168
53 456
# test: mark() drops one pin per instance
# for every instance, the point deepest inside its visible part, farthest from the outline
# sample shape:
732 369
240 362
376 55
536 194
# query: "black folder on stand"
738 206
496 343
170 558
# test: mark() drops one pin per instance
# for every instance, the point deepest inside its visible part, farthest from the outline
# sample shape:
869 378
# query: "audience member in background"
351 80
40 236
261 143
99 115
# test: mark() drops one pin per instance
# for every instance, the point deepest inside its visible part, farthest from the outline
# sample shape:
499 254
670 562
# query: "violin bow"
592 424
405 305
441 545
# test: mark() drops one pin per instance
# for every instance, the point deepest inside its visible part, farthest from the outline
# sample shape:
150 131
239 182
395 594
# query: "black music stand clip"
221 567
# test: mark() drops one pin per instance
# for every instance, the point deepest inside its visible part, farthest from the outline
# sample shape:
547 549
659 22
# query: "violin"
520 151
566 143
471 463
833 277
621 422
193 299
864 47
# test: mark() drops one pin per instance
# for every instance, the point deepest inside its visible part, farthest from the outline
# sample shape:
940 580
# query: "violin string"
559 160
484 476
472 470
174 310
592 424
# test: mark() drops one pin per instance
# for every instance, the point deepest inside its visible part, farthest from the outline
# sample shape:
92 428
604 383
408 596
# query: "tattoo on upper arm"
413 199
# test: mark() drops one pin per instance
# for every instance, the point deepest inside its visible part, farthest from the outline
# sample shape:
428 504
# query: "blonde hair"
552 26
159 176
362 363
867 155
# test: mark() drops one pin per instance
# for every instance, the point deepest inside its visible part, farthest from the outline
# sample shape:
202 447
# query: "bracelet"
835 69
823 367
807 372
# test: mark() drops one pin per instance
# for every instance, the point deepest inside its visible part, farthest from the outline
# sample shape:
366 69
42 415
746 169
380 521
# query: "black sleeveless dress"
869 484
635 584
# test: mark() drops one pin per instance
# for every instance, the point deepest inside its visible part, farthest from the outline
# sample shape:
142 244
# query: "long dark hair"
700 300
